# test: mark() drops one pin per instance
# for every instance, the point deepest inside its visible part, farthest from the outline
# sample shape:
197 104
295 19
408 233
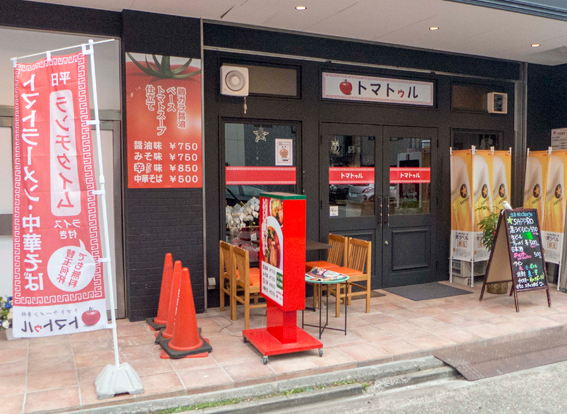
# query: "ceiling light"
536 45
433 28
300 8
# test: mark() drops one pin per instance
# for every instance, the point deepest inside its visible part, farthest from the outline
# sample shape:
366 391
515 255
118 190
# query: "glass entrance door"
351 186
377 185
409 239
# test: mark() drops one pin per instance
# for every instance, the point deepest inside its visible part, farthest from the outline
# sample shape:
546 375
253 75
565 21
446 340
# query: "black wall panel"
42 16
161 34
160 221
547 103
334 49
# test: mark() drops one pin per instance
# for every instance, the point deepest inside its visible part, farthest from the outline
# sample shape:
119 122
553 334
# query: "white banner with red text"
58 280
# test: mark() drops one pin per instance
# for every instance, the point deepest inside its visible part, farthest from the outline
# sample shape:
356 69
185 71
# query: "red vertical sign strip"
163 120
58 281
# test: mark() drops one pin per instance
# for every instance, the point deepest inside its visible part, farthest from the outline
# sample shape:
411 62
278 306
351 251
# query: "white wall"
14 43
6 197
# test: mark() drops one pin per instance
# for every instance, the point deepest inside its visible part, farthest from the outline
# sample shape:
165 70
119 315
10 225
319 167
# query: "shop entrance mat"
476 362
426 291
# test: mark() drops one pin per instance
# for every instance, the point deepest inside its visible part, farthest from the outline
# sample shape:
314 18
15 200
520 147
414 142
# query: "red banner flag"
58 281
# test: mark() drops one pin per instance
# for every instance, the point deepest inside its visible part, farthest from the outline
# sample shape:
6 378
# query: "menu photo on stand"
272 247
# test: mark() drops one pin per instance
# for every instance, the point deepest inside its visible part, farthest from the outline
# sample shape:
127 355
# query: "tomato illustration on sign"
90 317
143 120
346 87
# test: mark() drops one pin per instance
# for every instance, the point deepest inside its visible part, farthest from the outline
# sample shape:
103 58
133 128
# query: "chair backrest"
241 264
225 255
337 253
359 255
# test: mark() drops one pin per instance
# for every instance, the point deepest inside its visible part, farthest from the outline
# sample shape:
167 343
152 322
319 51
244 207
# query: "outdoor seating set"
353 258
348 256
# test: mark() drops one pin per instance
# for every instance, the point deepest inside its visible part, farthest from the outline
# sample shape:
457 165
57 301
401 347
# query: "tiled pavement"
58 373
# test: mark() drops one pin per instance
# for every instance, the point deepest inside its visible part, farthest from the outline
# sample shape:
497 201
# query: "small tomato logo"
90 317
346 87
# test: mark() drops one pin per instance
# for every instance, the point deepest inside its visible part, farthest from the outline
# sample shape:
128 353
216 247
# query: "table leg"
327 304
320 311
346 288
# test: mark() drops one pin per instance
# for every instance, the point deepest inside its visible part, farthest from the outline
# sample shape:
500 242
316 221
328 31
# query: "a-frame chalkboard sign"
517 255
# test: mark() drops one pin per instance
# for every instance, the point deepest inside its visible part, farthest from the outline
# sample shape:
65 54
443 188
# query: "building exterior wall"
172 220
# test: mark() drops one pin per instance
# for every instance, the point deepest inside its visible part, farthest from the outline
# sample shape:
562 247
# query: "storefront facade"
290 108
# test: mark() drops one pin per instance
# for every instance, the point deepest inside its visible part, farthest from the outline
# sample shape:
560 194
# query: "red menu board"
163 119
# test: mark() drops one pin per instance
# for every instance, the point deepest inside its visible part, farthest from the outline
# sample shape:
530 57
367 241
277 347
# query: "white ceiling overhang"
464 28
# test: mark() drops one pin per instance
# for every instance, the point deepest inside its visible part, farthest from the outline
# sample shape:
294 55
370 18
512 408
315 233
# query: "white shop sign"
559 138
373 89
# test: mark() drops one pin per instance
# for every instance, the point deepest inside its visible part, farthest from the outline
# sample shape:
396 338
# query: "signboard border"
513 290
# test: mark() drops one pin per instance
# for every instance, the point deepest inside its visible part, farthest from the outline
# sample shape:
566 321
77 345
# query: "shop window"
410 197
471 97
272 80
465 139
351 156
259 158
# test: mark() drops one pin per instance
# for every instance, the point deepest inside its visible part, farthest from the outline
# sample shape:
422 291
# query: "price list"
525 249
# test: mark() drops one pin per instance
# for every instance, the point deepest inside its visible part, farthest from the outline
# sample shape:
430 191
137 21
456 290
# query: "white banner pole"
113 379
101 192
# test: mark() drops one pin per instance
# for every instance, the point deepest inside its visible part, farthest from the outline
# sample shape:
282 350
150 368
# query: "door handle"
385 207
380 210
386 242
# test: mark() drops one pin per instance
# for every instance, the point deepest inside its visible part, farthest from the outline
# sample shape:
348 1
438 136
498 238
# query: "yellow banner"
554 208
461 205
502 185
537 168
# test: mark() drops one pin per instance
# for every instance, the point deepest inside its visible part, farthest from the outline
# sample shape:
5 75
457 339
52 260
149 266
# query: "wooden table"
315 245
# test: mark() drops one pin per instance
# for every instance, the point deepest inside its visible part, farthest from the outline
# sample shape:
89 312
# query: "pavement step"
413 378
413 370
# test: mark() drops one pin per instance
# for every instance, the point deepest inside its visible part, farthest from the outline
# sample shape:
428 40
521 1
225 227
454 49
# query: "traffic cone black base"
153 325
173 354
160 338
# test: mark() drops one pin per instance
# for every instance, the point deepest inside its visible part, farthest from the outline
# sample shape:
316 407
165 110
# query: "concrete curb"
369 373
288 401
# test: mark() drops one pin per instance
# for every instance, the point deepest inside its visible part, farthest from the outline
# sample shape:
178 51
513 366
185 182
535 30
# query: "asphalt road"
539 390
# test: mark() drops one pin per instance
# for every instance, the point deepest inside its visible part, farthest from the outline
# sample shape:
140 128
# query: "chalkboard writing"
524 242
517 255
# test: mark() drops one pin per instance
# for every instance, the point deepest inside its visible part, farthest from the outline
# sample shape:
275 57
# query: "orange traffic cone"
167 333
160 320
186 341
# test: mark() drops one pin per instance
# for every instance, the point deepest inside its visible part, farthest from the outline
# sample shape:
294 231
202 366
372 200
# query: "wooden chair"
226 276
359 269
336 257
247 284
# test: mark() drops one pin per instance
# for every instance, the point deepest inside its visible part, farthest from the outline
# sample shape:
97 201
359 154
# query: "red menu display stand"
282 267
